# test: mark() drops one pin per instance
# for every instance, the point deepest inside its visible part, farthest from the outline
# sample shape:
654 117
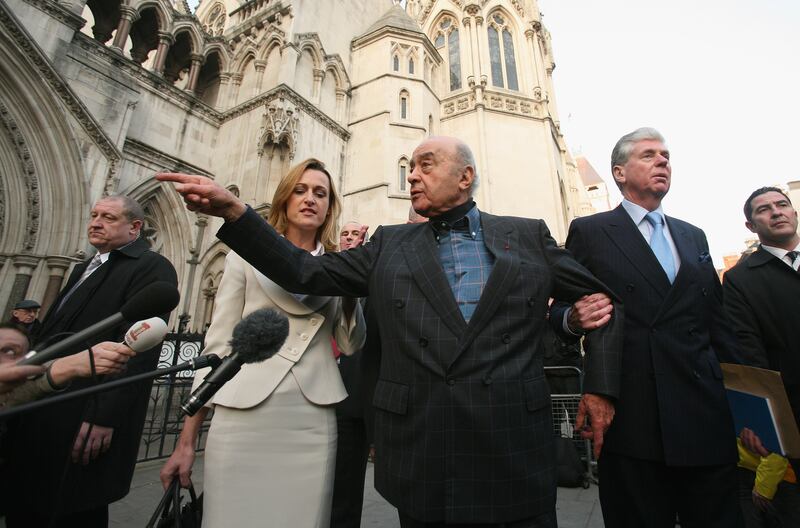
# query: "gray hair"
130 207
624 147
465 157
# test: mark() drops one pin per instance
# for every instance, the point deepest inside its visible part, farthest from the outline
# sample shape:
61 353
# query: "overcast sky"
718 78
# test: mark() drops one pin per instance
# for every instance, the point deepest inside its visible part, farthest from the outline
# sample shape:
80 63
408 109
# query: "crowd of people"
427 340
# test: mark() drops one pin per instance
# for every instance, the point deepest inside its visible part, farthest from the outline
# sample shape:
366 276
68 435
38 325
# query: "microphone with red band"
156 298
256 338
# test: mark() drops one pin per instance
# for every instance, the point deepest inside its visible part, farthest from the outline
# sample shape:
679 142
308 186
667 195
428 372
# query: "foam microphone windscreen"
146 334
259 336
154 299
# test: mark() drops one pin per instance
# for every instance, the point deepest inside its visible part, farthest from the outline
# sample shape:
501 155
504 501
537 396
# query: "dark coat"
462 411
42 440
762 298
672 405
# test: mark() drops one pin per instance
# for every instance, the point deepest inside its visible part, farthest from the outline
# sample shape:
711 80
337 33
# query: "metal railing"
164 420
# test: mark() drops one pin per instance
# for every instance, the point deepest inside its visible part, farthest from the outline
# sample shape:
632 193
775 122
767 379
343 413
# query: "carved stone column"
530 36
57 267
236 83
194 72
341 104
260 66
316 92
194 252
224 90
25 264
165 40
128 16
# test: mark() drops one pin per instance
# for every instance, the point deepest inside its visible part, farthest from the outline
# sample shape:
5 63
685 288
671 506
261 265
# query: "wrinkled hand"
98 440
590 312
13 375
752 442
595 414
179 464
203 195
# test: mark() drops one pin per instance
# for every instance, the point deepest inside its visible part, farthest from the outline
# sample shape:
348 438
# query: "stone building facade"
97 95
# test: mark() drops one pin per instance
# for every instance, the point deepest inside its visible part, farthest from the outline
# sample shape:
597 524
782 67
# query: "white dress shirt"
638 214
781 254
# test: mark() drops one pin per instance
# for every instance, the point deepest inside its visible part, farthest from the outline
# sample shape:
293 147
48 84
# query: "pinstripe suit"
672 407
463 428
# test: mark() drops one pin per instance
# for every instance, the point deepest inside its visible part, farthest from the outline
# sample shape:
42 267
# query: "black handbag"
169 512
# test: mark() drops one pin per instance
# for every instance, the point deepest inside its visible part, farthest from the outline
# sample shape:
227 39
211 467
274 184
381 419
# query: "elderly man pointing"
462 414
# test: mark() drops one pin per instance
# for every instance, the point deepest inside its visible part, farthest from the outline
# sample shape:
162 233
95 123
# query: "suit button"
692 330
423 342
530 301
399 303
652 330
293 351
314 322
506 338
487 380
450 381
696 374
705 292
630 287
304 337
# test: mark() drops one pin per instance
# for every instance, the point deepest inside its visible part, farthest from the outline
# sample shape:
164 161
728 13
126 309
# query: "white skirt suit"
271 449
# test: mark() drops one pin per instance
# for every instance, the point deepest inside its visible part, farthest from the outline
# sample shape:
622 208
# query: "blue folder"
754 412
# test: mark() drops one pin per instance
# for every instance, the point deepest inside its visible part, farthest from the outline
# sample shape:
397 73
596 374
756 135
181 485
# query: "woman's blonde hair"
328 232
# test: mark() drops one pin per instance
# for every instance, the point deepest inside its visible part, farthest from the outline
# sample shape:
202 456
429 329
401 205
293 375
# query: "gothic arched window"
404 101
402 174
446 40
396 63
501 53
215 21
411 66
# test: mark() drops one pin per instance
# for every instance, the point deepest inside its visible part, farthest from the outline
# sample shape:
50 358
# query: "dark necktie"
792 256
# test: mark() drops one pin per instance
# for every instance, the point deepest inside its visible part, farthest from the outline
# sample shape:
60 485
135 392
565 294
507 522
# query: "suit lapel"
501 241
423 261
627 237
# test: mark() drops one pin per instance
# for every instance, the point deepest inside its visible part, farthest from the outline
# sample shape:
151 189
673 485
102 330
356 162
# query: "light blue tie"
659 245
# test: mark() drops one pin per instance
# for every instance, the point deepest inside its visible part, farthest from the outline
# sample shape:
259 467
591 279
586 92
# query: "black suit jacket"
462 419
42 440
672 405
762 295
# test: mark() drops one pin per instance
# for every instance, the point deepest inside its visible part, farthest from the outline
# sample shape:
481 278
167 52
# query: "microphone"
156 298
256 338
146 334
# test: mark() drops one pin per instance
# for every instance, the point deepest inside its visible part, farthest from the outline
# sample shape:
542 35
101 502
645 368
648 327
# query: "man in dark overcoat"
762 298
70 460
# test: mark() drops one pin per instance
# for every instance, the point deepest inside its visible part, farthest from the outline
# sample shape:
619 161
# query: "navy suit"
672 409
463 431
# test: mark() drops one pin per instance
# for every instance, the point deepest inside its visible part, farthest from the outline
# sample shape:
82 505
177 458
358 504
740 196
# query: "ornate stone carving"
279 122
29 176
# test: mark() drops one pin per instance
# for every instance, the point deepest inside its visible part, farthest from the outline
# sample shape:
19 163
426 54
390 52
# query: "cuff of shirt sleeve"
565 324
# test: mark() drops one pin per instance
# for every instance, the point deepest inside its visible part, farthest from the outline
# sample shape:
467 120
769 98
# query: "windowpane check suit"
462 424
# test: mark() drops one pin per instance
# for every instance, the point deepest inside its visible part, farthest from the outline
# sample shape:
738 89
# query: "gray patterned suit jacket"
462 411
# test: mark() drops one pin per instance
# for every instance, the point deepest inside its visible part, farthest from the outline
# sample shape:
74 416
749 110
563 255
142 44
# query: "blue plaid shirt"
465 259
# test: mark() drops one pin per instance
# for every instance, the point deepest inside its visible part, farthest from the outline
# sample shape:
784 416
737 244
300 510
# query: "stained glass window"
454 58
501 54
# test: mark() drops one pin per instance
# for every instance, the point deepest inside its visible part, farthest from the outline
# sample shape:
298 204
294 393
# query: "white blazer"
307 353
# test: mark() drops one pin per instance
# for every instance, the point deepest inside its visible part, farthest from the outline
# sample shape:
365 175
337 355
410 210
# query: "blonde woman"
271 449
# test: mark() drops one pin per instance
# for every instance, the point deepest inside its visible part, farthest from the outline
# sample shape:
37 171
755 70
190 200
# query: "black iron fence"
164 420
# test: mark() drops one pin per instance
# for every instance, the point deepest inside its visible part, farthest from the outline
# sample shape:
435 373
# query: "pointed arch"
446 36
194 34
222 53
501 31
